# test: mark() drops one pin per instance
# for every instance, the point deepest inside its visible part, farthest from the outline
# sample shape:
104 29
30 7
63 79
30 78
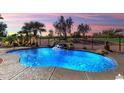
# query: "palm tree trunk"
65 35
83 35
30 40
59 36
36 41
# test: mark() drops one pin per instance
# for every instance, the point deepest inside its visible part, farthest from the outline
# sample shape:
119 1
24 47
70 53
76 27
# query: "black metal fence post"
92 42
41 40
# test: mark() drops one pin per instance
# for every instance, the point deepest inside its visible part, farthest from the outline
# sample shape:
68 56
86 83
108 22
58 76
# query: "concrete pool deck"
10 69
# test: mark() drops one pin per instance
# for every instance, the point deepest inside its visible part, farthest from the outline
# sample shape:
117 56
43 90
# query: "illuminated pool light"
70 59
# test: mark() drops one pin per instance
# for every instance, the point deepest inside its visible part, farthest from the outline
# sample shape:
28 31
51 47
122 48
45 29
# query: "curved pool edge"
70 50
73 69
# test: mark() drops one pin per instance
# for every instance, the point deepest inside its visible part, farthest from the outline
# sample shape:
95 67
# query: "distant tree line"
110 33
31 31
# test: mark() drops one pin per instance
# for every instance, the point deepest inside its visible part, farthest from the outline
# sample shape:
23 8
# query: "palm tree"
69 23
83 29
63 26
3 27
26 30
56 26
34 27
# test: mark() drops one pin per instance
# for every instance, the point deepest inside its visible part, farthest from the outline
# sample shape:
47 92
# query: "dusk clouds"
98 22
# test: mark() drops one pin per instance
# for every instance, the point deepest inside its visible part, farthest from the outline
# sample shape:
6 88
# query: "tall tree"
83 29
3 27
56 26
69 23
63 26
34 27
26 29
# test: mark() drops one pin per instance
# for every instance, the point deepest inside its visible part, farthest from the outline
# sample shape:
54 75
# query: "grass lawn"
115 40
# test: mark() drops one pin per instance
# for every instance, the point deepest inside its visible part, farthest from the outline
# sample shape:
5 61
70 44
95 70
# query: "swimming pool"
69 59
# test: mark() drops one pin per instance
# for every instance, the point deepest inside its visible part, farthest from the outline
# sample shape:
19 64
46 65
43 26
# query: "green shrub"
9 39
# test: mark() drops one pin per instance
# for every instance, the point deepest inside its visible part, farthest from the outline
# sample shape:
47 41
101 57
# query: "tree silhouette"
83 29
63 26
33 27
69 23
3 27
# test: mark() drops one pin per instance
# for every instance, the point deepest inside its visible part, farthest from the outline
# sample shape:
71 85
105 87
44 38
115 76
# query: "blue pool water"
70 59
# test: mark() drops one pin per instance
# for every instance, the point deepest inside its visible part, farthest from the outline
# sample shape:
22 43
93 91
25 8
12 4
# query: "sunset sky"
98 22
